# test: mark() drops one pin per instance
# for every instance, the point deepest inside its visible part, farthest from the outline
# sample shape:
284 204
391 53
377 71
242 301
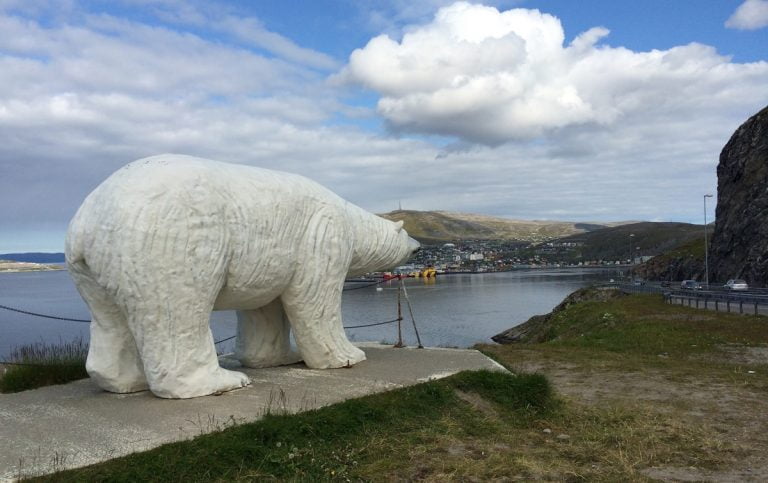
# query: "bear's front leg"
263 337
312 300
317 326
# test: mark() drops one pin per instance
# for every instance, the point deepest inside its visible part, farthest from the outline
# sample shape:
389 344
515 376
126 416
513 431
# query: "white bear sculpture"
167 239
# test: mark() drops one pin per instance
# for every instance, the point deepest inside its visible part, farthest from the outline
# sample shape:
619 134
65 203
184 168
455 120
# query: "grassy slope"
489 425
380 436
643 325
690 368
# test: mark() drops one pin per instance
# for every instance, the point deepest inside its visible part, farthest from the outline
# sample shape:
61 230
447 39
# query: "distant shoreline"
10 266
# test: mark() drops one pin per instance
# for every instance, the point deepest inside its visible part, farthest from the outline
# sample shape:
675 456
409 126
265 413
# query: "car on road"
736 284
690 285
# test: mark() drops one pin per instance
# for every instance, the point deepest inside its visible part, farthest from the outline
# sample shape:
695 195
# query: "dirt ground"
731 400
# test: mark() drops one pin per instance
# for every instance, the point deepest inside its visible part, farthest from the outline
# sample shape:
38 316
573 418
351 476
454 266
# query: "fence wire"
69 319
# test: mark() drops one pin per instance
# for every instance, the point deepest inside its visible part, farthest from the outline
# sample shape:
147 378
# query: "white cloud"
251 30
81 97
751 15
635 135
491 77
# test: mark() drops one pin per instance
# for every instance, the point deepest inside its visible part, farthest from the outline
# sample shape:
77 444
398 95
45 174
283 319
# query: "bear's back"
168 173
163 181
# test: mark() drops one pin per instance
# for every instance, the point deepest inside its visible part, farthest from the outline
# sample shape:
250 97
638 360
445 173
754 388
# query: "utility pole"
706 243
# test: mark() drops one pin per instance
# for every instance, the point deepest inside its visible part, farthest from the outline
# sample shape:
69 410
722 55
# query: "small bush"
48 364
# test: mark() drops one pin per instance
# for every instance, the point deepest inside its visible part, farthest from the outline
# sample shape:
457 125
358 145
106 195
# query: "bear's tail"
74 246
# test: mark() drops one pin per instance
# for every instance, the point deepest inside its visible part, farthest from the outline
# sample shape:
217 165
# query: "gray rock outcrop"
740 241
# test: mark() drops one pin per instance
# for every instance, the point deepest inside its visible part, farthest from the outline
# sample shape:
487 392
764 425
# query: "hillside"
681 263
14 266
650 239
441 226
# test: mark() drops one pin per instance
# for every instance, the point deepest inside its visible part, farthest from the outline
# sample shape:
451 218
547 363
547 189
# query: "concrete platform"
78 424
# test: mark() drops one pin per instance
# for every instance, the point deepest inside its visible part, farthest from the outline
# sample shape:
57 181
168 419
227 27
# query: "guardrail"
753 301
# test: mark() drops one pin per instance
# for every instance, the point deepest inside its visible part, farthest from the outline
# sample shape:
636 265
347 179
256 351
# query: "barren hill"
440 226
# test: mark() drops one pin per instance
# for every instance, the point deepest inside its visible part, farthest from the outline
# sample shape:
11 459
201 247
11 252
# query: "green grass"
484 425
43 364
476 425
644 324
355 439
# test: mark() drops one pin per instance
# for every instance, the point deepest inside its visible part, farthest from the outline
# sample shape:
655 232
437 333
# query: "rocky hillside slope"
442 226
648 239
684 262
740 240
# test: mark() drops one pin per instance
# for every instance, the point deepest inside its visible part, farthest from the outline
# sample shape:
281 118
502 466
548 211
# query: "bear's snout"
413 245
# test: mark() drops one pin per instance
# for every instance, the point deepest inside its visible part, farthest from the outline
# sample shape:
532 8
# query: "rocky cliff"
740 240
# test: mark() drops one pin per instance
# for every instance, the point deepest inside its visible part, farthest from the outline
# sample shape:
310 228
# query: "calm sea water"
454 310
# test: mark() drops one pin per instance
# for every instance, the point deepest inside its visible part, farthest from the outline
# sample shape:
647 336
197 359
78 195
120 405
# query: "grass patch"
640 359
479 425
359 438
642 334
48 364
644 324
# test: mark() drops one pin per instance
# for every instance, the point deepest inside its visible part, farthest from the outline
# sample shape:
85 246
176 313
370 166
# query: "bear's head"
381 245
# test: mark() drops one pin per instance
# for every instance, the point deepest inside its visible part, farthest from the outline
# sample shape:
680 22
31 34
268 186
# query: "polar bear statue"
167 239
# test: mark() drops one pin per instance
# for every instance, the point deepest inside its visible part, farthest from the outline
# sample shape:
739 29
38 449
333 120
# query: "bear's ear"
399 225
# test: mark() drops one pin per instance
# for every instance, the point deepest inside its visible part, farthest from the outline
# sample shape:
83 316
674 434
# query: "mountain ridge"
443 226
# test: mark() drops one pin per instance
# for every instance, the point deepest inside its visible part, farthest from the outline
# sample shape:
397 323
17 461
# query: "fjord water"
452 311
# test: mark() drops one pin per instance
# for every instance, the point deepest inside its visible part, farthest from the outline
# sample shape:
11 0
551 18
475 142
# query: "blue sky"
583 111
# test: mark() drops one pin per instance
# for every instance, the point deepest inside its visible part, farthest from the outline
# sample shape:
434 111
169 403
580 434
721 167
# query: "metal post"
399 315
706 243
413 319
629 270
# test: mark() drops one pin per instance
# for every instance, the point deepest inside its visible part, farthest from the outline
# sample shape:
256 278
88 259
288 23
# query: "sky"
594 110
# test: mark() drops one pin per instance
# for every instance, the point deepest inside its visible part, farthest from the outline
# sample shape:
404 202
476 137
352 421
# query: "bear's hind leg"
177 347
263 337
113 360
